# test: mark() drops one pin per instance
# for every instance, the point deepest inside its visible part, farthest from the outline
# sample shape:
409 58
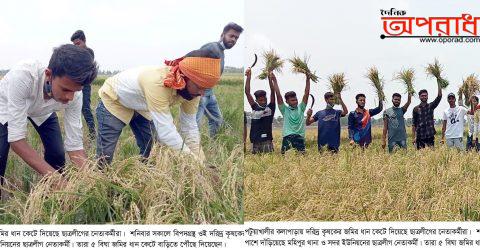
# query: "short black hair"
475 97
78 35
232 26
74 62
422 91
396 95
359 95
290 94
203 53
328 95
260 93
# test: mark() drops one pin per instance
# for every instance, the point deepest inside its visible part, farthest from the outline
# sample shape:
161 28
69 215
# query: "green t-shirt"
293 119
396 124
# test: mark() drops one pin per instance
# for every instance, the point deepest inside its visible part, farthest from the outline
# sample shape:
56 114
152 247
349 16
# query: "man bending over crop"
142 97
31 91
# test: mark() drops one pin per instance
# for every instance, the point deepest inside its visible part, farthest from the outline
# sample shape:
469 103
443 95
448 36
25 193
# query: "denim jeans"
400 144
455 143
471 144
293 141
209 105
51 137
87 111
110 128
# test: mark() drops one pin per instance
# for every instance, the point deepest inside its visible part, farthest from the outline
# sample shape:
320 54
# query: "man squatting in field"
328 123
31 91
262 116
394 124
141 95
360 124
293 118
454 122
423 124
208 102
78 38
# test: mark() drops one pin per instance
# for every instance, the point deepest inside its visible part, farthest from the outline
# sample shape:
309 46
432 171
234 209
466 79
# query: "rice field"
362 185
167 189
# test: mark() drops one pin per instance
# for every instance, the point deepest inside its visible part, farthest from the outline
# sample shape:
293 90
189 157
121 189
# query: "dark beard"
185 94
227 46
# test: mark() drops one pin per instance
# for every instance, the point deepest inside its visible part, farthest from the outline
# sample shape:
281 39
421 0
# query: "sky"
344 36
122 33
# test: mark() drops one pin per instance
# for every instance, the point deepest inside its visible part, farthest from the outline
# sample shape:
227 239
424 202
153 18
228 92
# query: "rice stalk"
337 84
435 70
376 81
273 63
469 88
406 76
301 66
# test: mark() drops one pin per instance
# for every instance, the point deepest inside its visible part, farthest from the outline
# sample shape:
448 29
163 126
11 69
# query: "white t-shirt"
455 118
21 96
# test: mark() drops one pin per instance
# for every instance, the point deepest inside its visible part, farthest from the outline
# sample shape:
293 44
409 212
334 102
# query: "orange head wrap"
203 71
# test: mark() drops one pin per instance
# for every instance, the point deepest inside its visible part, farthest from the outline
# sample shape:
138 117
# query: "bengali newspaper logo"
461 28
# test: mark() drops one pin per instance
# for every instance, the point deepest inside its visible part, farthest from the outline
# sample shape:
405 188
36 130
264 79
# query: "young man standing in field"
394 123
31 91
293 116
472 141
328 123
208 103
423 124
360 124
142 97
453 123
262 116
78 38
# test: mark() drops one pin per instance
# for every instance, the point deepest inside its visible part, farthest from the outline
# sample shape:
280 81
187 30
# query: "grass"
372 185
168 188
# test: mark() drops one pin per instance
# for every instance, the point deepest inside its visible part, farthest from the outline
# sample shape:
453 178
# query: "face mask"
185 94
47 88
261 105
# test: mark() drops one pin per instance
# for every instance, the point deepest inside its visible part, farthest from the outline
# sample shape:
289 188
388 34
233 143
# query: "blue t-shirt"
328 127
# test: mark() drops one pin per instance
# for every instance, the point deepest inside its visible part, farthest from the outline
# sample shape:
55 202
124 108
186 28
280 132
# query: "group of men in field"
359 120
140 97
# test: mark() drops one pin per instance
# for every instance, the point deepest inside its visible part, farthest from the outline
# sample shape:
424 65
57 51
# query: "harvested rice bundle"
301 66
376 81
435 69
407 76
337 84
273 63
470 87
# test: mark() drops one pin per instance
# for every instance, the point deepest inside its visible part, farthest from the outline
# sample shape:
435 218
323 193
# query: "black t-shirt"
262 118
91 52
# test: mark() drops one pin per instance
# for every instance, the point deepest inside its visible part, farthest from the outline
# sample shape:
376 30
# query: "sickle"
255 61
313 101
